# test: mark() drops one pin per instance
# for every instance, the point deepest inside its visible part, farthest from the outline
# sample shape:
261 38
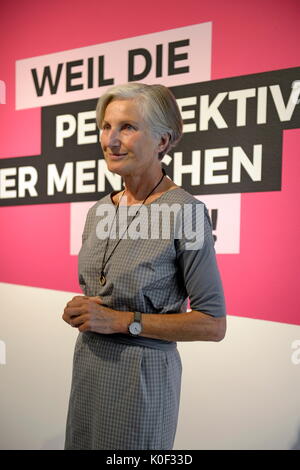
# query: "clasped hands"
89 314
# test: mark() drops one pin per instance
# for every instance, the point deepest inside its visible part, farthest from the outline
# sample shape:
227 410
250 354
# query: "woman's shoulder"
106 199
177 194
192 206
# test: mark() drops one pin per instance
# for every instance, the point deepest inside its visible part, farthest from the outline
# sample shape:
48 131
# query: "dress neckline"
146 204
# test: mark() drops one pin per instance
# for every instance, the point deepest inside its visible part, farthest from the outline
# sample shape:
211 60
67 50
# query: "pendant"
102 280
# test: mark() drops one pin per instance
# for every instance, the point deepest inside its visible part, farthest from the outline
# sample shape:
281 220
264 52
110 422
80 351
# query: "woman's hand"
88 314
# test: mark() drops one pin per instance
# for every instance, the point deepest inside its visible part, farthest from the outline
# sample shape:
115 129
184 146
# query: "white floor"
241 393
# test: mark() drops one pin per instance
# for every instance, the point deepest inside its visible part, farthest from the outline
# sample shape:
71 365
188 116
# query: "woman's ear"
164 142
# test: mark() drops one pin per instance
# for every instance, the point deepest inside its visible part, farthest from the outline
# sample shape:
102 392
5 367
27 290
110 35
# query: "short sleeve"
198 266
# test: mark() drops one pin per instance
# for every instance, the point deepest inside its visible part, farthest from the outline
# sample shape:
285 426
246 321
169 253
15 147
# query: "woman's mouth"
116 156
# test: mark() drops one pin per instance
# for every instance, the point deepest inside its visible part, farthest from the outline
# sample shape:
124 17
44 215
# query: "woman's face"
127 143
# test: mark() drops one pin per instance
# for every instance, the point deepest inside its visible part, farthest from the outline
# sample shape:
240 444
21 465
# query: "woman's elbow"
210 328
219 329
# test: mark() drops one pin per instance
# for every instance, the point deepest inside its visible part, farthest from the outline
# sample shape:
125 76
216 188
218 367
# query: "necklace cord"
104 261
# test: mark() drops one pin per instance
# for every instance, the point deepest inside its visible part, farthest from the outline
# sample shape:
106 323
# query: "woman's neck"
137 187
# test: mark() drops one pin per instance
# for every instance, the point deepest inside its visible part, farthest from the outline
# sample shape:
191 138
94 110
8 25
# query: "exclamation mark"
214 219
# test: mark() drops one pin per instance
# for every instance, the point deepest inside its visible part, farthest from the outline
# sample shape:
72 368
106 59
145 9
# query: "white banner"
172 57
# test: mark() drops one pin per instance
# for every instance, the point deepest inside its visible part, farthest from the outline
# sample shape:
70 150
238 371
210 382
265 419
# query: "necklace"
102 278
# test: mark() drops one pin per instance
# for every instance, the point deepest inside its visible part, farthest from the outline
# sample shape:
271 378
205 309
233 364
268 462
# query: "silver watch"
135 328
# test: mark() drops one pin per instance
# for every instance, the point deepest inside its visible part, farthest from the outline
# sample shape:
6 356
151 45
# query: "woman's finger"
96 299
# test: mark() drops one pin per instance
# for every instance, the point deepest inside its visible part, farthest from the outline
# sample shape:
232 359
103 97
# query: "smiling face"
128 146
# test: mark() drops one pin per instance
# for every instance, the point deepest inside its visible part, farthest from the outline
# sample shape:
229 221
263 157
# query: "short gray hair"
158 105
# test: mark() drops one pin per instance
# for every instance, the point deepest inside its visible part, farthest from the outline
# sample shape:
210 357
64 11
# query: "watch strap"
137 317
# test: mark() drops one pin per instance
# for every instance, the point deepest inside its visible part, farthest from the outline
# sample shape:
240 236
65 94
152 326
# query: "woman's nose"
113 138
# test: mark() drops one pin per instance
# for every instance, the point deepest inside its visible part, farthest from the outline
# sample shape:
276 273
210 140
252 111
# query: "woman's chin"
117 168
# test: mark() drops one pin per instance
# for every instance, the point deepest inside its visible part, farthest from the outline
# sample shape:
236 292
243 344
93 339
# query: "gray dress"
125 390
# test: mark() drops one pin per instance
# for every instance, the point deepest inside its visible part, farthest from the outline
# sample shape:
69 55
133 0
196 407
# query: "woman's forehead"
123 109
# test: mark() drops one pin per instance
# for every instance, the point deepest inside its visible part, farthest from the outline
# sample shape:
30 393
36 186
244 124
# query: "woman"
127 370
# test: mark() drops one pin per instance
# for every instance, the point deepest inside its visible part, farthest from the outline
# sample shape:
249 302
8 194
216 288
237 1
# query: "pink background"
261 281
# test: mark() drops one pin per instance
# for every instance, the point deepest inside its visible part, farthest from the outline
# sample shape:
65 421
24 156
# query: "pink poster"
234 69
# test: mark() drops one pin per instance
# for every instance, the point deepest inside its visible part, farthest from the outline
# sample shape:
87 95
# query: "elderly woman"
127 369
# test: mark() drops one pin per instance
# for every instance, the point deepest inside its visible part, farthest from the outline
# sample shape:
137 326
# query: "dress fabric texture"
125 390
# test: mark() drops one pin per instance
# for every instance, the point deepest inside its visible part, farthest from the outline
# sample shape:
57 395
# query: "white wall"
242 393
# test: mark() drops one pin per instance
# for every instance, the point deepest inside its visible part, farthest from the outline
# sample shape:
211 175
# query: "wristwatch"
135 328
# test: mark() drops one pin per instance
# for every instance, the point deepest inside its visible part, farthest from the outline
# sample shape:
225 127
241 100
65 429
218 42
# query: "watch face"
135 328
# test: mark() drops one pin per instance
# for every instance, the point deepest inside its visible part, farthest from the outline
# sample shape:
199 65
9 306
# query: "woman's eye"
107 127
128 127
